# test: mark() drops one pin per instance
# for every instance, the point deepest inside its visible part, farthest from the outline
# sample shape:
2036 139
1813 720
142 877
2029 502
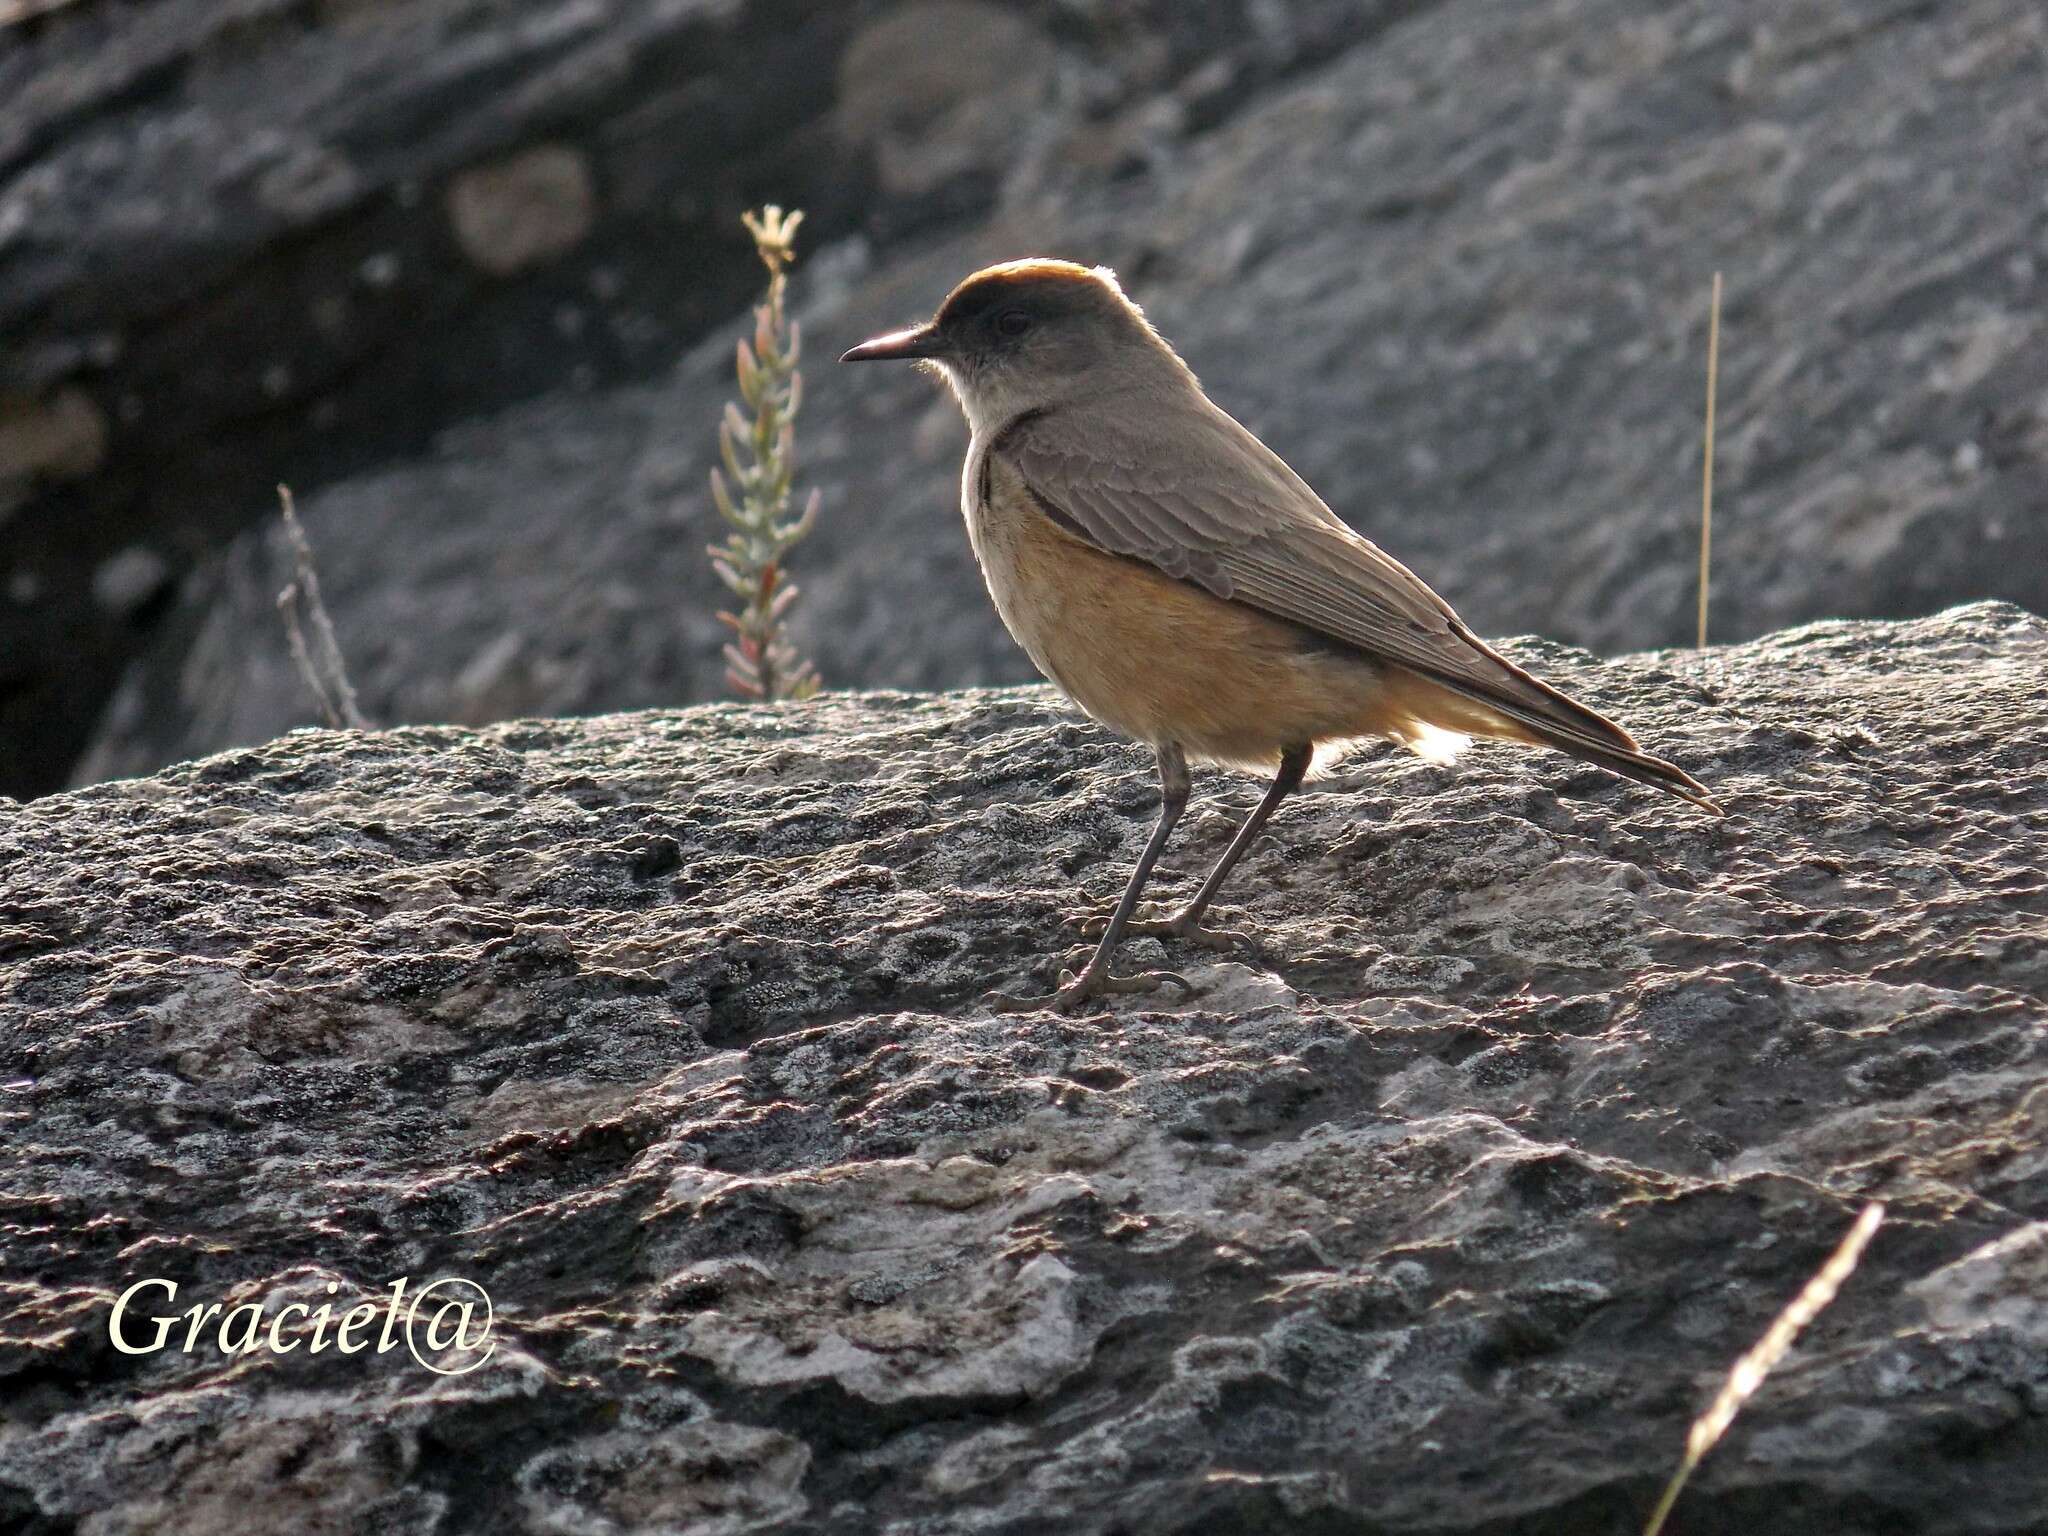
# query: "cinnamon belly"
1164 661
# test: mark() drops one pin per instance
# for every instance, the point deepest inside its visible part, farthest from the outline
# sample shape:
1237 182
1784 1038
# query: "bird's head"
1032 334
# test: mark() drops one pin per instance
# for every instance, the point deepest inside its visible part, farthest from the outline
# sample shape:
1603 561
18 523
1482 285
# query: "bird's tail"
1521 707
1637 765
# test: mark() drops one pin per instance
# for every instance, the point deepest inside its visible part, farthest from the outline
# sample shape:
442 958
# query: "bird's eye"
1012 322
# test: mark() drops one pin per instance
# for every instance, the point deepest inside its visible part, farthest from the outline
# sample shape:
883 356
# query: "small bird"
1182 585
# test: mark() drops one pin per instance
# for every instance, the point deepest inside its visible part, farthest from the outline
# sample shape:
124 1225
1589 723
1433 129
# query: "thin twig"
1752 1368
329 677
1707 472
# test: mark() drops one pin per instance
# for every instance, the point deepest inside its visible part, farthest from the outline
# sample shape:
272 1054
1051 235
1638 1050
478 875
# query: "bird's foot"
1092 982
1182 925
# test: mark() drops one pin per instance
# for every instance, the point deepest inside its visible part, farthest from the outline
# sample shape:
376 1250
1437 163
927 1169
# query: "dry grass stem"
1764 1355
324 674
1707 470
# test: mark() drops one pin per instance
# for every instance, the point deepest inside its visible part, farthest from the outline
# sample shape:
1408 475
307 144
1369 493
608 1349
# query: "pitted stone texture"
1442 1208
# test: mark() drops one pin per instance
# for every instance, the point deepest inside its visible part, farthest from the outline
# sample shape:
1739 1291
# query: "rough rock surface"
1440 1209
1458 274
278 240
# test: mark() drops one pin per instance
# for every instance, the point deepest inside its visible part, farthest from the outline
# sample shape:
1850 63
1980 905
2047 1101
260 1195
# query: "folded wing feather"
1230 516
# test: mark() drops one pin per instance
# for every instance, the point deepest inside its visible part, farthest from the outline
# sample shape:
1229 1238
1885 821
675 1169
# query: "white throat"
989 401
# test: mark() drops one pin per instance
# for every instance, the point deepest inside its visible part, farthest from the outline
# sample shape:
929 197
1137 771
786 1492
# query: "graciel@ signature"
445 1325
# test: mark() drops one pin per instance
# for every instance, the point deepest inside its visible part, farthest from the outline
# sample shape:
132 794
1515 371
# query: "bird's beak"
918 341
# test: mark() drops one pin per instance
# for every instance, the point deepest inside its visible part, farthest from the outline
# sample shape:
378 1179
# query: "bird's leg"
1094 979
1187 923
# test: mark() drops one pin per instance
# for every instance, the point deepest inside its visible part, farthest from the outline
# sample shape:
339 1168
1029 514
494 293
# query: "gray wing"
1220 509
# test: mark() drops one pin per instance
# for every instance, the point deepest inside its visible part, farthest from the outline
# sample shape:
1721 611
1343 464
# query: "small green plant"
760 458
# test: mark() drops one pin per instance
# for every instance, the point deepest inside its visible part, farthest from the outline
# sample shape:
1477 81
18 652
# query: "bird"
1173 577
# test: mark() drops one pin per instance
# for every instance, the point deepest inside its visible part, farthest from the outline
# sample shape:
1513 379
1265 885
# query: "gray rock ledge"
1443 1209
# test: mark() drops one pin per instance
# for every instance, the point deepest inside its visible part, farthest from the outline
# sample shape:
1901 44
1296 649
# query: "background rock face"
1441 1209
1452 259
285 241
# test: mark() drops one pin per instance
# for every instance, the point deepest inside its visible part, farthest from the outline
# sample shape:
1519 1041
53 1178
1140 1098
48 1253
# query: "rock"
273 242
942 89
1445 1207
1457 273
527 211
61 438
125 581
223 226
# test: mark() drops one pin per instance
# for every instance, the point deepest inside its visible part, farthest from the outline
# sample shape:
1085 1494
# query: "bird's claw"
1221 939
1142 982
1079 924
1192 930
1077 989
